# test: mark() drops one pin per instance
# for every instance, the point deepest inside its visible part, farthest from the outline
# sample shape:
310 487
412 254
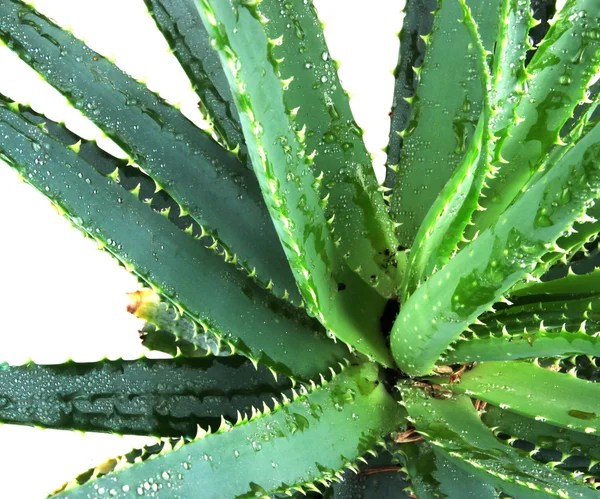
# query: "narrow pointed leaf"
527 345
441 230
179 22
508 74
147 397
438 135
208 182
418 17
182 332
209 290
432 475
159 340
361 228
559 74
575 285
485 270
289 177
454 428
542 435
295 444
558 398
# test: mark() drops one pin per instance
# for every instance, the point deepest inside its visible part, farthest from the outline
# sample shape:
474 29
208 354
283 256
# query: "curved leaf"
283 163
295 445
482 272
559 399
559 74
432 475
444 114
359 222
208 182
415 25
542 435
182 27
453 427
442 227
195 279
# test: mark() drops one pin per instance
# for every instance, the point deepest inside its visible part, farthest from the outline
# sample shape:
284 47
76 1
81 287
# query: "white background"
59 296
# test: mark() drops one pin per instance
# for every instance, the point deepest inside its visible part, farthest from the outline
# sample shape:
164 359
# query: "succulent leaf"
559 74
423 169
279 449
193 278
455 430
361 229
442 228
573 285
509 76
148 397
526 343
418 16
182 333
501 256
559 399
432 475
207 181
288 175
542 435
179 22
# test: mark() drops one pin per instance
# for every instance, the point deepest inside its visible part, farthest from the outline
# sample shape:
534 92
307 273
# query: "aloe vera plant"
434 336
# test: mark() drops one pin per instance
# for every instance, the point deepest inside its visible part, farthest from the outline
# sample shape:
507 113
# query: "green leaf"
574 285
166 330
453 427
559 74
285 167
299 444
432 475
504 254
195 279
540 325
559 399
531 343
163 341
416 23
445 110
208 182
181 332
509 76
361 228
148 397
441 230
542 435
182 27
379 477
581 233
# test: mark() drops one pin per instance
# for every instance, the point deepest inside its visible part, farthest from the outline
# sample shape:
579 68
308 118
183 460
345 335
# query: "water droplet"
564 80
329 137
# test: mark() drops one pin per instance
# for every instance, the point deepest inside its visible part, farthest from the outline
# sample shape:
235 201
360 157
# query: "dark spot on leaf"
582 414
